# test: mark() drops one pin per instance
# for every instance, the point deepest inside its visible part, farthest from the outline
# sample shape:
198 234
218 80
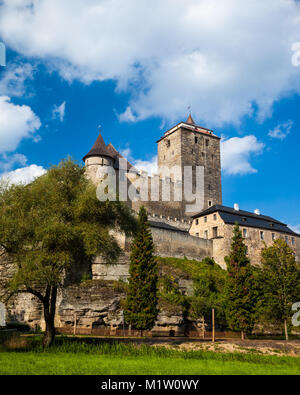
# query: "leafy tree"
241 296
142 297
209 284
281 282
54 227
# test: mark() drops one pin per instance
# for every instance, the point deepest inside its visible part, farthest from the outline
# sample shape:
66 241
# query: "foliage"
280 281
241 294
170 290
142 297
53 227
208 282
209 286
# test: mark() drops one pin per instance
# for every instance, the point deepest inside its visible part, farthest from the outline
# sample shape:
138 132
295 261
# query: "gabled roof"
117 156
246 219
98 149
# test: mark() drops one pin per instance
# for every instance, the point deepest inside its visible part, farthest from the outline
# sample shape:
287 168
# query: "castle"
179 228
206 229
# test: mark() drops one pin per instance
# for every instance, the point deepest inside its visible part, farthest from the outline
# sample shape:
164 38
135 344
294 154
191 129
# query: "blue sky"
73 66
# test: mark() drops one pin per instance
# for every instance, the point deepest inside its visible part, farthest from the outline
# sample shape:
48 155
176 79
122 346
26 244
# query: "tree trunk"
242 335
49 316
286 331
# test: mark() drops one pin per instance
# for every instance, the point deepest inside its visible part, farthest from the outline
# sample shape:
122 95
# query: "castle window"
197 221
209 203
207 143
206 234
215 231
286 239
196 140
205 219
247 250
168 143
215 217
197 234
192 151
273 236
262 235
293 241
245 233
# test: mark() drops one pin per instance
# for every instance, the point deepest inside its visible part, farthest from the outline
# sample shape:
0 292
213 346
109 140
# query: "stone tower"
98 158
188 144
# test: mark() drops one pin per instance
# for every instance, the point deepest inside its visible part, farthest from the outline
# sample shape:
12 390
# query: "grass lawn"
79 358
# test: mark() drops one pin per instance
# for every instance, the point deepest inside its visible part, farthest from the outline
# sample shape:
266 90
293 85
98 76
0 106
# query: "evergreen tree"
142 297
240 289
280 279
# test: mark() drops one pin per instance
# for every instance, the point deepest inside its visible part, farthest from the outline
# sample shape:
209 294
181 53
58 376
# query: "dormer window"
244 219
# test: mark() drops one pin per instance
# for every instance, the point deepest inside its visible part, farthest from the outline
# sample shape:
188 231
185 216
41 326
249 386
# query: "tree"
209 284
240 288
53 228
280 279
142 297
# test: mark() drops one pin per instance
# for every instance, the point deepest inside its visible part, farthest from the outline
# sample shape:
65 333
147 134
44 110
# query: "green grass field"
83 357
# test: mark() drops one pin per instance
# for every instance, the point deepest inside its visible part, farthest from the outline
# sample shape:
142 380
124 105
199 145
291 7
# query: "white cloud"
7 162
150 166
224 57
59 112
281 131
23 175
236 154
14 78
16 122
127 116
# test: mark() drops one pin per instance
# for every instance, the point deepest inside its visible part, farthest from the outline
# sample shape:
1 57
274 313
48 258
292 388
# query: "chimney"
236 207
257 211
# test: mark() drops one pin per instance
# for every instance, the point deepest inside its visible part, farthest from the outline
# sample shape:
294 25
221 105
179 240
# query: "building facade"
216 224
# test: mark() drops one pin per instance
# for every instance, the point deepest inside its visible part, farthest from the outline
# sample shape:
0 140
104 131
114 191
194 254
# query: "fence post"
213 325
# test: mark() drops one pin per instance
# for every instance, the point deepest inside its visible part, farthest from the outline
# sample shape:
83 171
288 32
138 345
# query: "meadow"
96 357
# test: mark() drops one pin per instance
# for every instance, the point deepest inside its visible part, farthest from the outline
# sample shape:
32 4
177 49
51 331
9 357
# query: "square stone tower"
188 144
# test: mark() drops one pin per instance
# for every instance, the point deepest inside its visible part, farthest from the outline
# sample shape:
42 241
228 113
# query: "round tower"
97 161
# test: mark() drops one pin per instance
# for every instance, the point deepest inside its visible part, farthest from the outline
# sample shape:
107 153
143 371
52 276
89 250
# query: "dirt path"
263 347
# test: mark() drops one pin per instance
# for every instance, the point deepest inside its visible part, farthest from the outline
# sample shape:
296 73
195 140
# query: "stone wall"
180 244
168 243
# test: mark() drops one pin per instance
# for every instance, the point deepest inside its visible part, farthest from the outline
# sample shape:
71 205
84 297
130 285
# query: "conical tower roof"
98 149
190 121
